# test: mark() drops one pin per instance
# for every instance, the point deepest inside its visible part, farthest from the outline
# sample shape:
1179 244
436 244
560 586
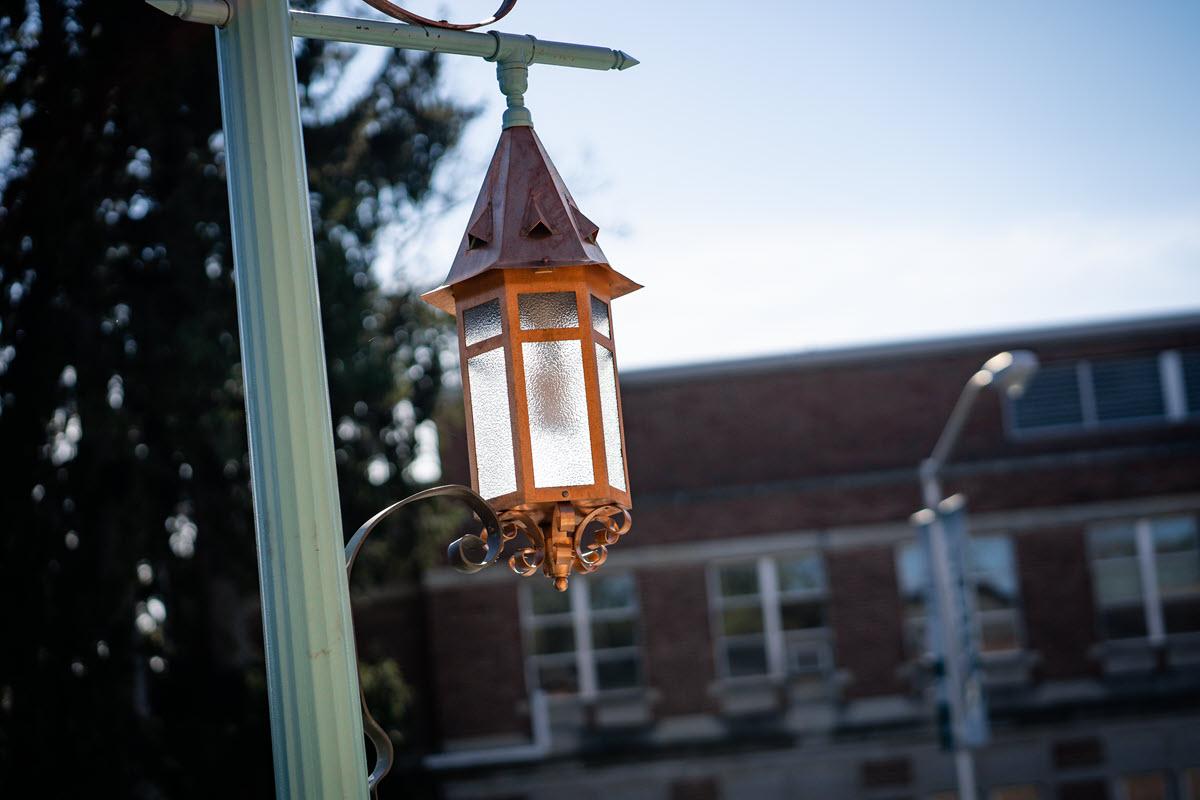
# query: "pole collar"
513 56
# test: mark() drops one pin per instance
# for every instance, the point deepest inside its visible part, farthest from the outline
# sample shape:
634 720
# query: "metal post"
964 764
312 681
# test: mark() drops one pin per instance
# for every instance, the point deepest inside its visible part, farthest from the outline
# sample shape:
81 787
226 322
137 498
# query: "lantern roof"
524 218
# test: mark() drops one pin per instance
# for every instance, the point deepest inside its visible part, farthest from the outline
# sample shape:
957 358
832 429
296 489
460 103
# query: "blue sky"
785 176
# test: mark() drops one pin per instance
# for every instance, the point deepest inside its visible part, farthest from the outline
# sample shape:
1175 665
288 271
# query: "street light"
533 241
532 290
1008 372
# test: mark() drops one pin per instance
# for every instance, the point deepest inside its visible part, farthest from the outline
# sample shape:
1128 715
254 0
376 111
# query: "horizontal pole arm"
492 46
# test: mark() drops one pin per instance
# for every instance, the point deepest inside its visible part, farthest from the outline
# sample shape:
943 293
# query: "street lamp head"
532 291
1010 371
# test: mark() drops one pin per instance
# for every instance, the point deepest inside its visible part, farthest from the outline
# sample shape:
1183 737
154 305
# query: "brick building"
757 635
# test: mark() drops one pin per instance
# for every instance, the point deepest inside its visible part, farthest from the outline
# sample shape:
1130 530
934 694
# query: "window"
1147 786
1021 792
994 576
1051 400
1189 368
1146 575
1191 784
584 640
1127 389
771 618
1111 391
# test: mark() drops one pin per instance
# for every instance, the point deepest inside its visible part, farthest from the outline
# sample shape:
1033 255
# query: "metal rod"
312 682
492 46
931 492
964 763
954 425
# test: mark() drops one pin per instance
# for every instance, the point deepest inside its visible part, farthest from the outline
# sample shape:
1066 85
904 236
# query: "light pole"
308 641
1009 372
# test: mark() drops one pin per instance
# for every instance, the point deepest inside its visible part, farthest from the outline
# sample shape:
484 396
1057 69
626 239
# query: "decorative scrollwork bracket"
469 553
396 12
556 541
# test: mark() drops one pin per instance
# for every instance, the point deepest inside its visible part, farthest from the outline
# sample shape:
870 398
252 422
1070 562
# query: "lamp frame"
506 286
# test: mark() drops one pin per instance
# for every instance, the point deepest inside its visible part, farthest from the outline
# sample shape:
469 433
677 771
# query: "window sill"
765 694
1012 669
614 708
1120 658
1131 657
622 708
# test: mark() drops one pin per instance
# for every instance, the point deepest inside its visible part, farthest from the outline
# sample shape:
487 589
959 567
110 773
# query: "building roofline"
1001 339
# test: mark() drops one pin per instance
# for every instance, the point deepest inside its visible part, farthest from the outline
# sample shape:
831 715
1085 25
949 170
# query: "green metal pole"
312 680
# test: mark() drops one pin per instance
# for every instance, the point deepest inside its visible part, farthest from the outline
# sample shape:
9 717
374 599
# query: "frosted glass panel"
548 310
611 417
558 418
482 321
600 317
491 421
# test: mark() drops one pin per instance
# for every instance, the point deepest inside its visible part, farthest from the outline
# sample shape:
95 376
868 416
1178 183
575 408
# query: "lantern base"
563 537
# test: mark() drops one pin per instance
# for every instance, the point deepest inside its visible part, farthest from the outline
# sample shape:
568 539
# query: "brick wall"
854 416
867 618
760 451
393 627
678 643
1056 593
857 499
475 641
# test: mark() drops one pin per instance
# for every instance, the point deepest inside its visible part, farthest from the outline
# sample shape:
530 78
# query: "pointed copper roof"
524 218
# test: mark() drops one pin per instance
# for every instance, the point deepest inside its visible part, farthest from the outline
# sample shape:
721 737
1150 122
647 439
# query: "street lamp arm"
469 553
932 465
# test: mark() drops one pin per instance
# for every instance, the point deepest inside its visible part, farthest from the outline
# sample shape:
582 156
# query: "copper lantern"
532 291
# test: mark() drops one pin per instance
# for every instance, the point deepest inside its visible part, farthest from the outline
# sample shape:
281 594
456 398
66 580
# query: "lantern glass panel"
542 310
481 322
600 317
491 420
558 414
610 416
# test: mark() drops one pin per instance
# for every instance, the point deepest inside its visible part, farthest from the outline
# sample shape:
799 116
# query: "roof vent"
588 229
480 232
535 224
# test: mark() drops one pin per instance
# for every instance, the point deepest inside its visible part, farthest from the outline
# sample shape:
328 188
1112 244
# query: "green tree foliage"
128 663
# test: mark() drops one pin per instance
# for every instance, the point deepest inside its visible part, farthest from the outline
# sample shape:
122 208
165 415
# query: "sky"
788 176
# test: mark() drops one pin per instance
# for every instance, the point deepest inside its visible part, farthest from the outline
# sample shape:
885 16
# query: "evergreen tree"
128 664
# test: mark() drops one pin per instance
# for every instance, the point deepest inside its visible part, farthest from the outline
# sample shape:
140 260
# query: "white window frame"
770 598
1171 382
581 616
1016 613
1152 607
